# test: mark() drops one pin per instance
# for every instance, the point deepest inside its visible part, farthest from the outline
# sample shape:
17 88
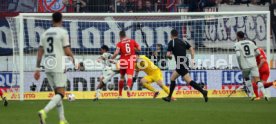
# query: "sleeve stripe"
66 46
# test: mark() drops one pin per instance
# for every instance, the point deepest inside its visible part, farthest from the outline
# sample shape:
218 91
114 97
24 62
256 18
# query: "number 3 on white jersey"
128 50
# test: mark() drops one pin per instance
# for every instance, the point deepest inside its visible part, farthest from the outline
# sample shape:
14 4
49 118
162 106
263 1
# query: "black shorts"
182 71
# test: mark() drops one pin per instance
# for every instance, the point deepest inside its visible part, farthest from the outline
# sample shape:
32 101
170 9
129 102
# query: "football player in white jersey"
54 45
246 52
109 69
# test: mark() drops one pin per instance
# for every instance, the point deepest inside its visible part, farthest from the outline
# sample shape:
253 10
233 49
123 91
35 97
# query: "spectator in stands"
81 4
161 5
197 25
263 2
4 4
131 4
111 5
76 5
98 5
121 6
172 5
272 9
140 7
149 7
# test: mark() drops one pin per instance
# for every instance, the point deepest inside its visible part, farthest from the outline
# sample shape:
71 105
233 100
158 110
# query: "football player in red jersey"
3 98
127 48
264 72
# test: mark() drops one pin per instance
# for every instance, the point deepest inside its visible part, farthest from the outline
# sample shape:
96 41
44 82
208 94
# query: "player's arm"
40 53
261 62
101 58
67 49
169 50
238 54
137 47
68 52
192 52
257 51
117 51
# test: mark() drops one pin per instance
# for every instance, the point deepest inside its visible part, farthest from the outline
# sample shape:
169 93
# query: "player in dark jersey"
178 48
127 48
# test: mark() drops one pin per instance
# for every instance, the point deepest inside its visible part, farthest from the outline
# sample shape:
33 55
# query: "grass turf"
147 111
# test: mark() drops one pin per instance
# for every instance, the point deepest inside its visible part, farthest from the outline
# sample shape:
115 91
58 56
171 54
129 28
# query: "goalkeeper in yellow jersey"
154 74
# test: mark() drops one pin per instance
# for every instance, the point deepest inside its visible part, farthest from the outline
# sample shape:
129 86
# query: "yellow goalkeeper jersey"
146 65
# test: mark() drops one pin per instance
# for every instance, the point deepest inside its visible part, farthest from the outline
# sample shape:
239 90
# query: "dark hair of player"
254 42
240 34
104 47
57 17
174 33
122 33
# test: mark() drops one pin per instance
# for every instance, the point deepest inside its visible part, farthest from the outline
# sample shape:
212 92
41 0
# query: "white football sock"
98 93
60 111
53 103
250 87
261 87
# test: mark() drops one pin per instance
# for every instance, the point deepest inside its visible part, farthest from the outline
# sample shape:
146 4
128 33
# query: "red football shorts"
127 67
264 72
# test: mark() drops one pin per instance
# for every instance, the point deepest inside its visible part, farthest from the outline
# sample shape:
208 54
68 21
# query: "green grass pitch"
147 111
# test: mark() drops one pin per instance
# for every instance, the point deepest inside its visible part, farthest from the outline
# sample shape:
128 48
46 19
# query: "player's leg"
255 76
264 75
248 82
164 87
60 81
195 85
1 94
99 87
3 98
158 78
107 75
121 81
146 83
256 90
172 86
130 72
57 80
60 107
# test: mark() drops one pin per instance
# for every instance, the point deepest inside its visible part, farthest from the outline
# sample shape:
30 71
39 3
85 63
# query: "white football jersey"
107 64
106 56
53 41
246 51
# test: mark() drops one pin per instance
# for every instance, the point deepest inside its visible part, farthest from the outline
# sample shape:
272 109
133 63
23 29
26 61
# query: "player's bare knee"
142 81
187 78
60 91
101 79
160 84
129 76
256 79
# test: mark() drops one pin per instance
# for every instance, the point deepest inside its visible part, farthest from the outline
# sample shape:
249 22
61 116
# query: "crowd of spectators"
153 5
125 5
